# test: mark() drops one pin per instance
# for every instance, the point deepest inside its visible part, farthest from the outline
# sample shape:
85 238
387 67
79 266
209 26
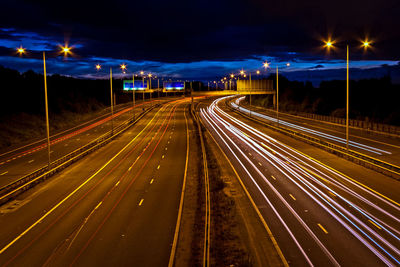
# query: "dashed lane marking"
377 226
323 229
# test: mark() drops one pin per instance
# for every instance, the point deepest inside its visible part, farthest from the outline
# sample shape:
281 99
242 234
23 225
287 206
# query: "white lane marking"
323 229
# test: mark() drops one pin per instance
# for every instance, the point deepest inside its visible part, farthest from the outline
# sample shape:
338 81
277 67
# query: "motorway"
322 209
25 159
117 206
379 146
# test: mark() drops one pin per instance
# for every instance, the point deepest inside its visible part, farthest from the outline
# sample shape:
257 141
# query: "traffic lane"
382 150
311 250
377 181
27 149
340 182
382 212
42 201
359 135
144 221
330 211
37 159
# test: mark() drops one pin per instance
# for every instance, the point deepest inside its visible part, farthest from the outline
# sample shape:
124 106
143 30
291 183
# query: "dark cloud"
185 31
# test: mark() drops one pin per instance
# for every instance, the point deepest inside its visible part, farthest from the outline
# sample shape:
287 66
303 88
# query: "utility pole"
112 108
47 110
277 95
133 96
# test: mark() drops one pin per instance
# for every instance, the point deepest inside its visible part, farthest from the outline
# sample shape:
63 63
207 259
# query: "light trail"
312 181
308 130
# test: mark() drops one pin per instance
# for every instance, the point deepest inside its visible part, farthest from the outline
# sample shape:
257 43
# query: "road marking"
4 173
158 167
32 160
292 196
152 180
73 192
98 205
66 145
130 168
323 229
260 164
168 142
273 177
166 148
250 154
348 177
141 201
163 156
332 193
377 226
117 183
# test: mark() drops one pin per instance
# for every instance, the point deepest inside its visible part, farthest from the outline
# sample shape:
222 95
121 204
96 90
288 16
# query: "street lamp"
66 51
329 44
21 50
98 67
266 65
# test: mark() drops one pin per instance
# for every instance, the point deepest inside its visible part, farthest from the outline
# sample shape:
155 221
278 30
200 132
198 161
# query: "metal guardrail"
354 156
28 181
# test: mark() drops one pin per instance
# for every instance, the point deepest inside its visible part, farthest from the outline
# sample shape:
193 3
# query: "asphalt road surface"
379 146
322 209
25 159
117 206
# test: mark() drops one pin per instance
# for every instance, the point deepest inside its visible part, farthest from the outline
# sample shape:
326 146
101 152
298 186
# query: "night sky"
201 39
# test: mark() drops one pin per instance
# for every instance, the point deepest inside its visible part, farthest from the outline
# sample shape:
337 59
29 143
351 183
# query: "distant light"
150 75
366 44
21 50
142 72
232 76
98 67
224 78
123 67
242 72
244 75
258 72
288 64
266 65
65 49
328 44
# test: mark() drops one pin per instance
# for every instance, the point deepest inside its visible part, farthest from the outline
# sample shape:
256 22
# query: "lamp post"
133 95
112 104
66 50
47 110
267 65
328 45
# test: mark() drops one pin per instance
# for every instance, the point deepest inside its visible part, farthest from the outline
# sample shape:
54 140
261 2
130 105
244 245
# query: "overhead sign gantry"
139 85
174 87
